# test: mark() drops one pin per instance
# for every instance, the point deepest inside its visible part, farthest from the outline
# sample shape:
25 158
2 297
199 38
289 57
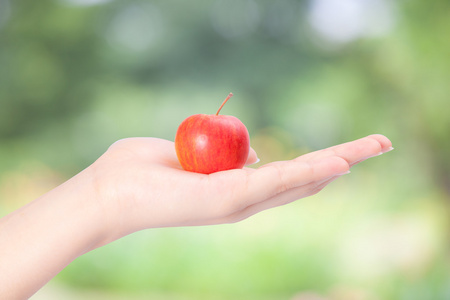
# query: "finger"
279 200
386 144
276 178
355 151
252 157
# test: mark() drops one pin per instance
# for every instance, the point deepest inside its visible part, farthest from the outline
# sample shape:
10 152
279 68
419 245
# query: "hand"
137 184
140 184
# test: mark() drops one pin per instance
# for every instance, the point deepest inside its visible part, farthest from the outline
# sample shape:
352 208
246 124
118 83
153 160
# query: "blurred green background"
77 75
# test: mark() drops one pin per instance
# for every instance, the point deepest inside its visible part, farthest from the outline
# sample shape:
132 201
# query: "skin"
139 184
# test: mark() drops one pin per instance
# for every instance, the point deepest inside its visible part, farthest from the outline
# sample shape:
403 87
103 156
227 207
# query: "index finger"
355 151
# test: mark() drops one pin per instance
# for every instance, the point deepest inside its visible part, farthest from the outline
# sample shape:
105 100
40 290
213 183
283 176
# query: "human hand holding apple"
138 184
212 143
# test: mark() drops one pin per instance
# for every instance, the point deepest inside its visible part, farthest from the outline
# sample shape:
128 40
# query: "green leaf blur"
77 75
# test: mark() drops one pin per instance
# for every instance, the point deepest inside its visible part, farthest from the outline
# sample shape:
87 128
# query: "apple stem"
223 103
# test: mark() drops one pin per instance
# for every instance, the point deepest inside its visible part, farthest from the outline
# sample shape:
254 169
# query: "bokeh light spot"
85 2
5 12
136 28
342 21
236 18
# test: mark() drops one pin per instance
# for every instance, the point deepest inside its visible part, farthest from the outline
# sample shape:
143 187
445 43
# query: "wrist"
88 210
43 237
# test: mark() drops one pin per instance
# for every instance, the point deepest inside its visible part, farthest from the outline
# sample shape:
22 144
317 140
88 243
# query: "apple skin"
212 143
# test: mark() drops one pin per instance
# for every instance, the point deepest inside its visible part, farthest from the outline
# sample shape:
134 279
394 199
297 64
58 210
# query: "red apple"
211 143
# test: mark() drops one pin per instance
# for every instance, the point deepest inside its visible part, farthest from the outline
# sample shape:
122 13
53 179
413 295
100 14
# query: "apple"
212 143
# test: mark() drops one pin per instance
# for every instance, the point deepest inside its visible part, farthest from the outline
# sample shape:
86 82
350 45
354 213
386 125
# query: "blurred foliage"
76 75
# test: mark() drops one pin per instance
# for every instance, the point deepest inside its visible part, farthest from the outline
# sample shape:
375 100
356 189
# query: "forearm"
40 239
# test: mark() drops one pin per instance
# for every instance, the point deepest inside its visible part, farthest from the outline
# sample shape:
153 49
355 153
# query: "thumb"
252 157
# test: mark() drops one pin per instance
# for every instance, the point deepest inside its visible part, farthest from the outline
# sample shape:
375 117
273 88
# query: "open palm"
143 185
138 184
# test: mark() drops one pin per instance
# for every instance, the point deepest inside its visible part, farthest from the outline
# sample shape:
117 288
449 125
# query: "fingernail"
344 173
382 152
257 161
387 150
